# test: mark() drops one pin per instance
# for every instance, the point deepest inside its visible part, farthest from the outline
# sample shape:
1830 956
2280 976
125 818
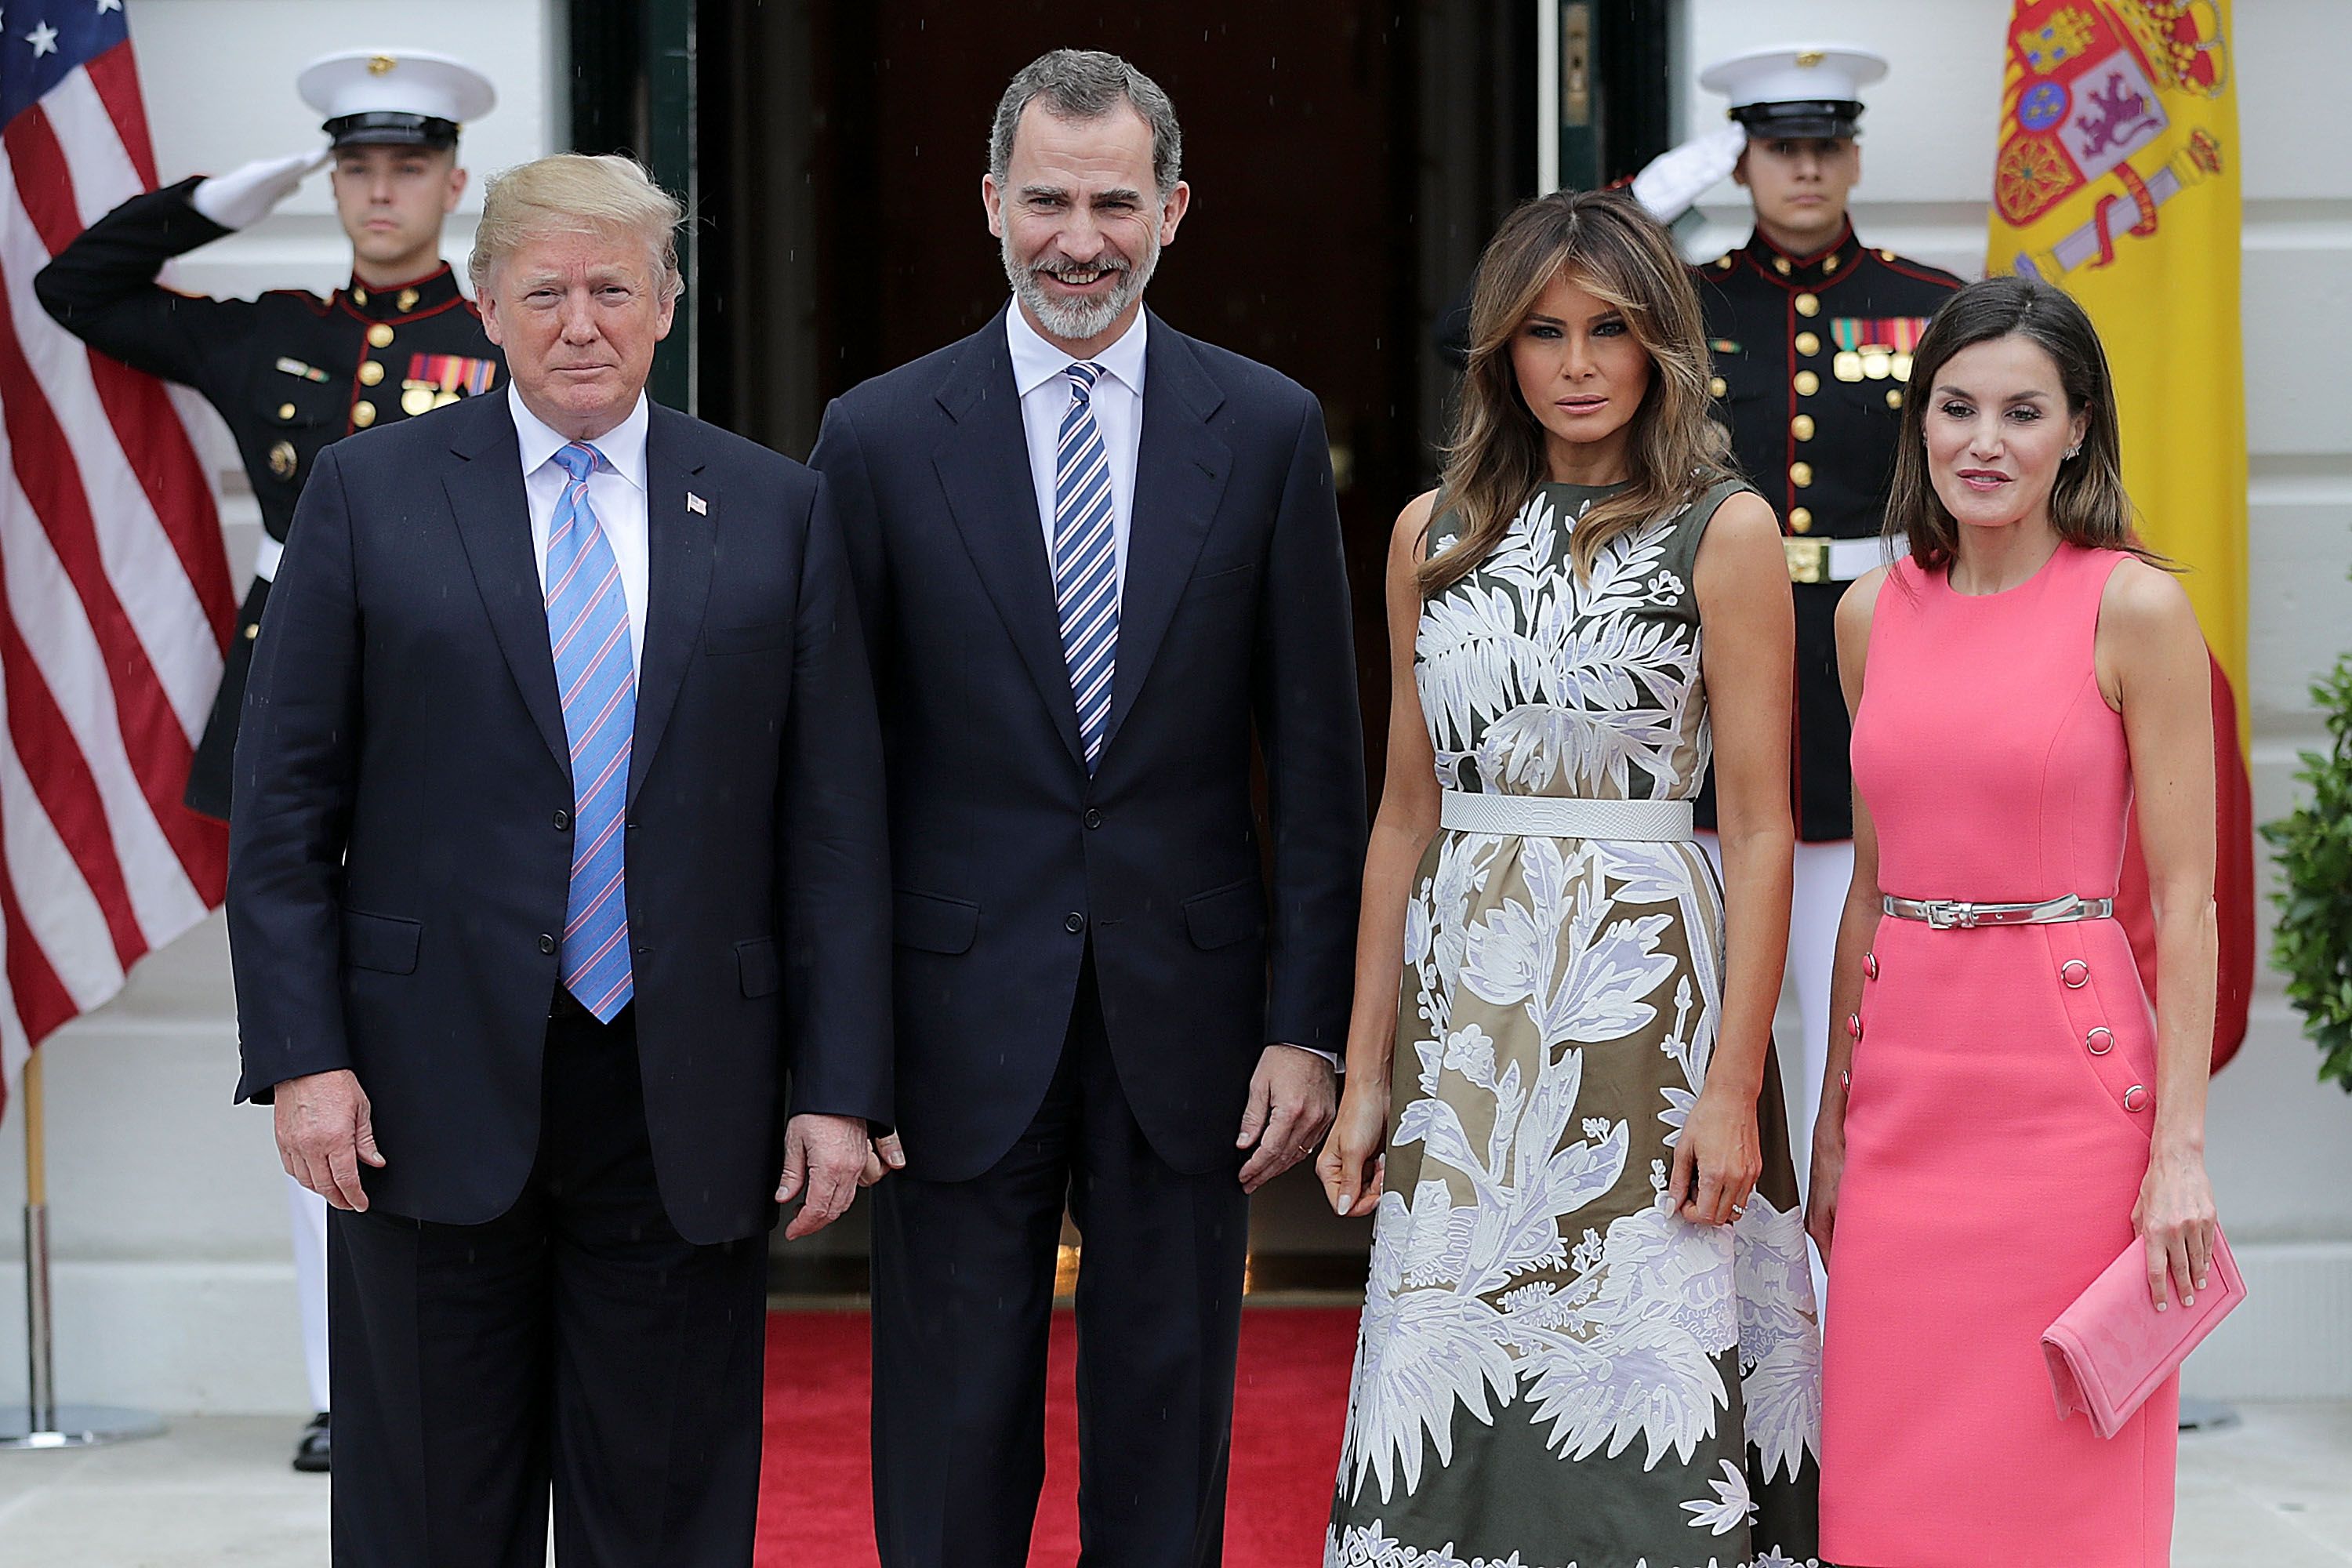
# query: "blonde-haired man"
559 910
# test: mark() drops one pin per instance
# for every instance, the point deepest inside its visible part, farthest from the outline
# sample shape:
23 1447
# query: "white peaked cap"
396 82
1795 73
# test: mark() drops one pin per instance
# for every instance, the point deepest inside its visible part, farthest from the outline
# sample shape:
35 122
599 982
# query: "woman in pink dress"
2004 1111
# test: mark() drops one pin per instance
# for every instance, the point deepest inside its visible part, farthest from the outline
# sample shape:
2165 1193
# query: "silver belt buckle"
1946 914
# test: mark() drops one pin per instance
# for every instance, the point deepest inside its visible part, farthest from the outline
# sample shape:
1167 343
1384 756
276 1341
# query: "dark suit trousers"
575 1341
963 1292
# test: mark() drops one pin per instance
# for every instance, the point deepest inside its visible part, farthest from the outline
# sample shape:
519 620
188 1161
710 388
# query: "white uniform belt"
1948 914
1564 816
1839 560
265 559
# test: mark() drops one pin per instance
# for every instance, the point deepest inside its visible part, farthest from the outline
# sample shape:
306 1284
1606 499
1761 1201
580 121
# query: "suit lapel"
679 540
493 515
983 467
1179 475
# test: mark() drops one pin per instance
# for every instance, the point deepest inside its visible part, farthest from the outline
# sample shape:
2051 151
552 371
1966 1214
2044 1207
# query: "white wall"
173 1279
2279 1144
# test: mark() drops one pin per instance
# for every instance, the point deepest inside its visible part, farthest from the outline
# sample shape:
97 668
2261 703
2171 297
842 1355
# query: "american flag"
115 601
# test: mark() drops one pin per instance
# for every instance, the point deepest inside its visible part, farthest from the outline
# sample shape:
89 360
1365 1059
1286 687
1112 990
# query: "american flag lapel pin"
695 504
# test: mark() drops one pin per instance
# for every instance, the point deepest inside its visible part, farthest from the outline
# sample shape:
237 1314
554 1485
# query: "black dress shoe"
312 1454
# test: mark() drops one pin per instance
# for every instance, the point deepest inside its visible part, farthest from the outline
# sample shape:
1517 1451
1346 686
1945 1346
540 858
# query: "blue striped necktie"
1086 560
588 626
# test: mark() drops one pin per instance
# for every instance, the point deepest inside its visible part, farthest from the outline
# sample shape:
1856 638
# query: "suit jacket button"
1093 819
1075 924
563 820
546 943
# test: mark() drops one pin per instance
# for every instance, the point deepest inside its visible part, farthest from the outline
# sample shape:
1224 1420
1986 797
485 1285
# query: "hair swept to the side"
576 192
2089 504
1606 244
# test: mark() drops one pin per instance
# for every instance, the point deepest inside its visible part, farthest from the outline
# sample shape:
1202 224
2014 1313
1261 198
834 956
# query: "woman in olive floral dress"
1589 1340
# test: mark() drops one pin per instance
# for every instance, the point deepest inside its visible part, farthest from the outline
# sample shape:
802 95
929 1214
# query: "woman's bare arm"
1748 658
1402 830
2153 669
1856 927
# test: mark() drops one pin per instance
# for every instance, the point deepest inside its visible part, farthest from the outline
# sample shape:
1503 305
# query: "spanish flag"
2117 180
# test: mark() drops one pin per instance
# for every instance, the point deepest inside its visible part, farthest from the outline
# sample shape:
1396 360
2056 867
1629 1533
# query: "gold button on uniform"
371 372
1801 518
1718 386
1893 397
1802 426
359 295
1809 343
363 415
1780 264
286 411
252 631
1830 265
380 336
1808 304
1801 474
1808 383
407 301
283 459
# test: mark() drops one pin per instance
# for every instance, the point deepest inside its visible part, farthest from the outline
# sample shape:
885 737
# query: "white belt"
1839 560
1563 817
265 559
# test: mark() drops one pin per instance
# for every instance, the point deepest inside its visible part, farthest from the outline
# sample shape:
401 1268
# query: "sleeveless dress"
2003 1094
1553 1372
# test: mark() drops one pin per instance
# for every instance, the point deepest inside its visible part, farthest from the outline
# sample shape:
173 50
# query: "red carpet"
816 1491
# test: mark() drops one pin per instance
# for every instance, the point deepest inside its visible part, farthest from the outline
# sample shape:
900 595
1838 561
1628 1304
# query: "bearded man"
1096 561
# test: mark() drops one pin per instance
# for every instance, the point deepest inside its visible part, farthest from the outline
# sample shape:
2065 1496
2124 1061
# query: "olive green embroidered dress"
1553 1370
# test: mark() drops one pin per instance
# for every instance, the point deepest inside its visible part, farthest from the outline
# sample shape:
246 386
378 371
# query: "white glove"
244 197
1679 176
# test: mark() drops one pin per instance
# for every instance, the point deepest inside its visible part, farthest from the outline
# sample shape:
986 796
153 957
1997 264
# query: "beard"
1077 320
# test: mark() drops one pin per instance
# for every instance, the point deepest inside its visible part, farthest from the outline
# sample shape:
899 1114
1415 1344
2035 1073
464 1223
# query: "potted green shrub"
2313 947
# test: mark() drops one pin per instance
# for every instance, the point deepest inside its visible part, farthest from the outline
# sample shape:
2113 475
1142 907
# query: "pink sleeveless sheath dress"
2004 1096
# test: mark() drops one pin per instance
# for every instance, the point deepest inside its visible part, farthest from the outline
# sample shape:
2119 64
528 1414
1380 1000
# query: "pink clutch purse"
2112 1349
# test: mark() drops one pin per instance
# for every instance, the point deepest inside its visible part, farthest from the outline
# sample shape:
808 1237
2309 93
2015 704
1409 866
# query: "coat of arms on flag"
2100 124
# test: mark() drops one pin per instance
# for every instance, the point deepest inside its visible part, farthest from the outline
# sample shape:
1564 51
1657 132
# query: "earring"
2074 451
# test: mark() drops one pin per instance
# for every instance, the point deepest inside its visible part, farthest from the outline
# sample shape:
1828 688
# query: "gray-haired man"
1095 559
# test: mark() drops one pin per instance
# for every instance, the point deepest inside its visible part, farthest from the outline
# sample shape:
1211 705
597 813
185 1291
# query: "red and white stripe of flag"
115 601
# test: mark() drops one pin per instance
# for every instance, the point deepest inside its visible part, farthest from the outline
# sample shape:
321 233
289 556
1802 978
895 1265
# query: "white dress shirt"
616 490
1117 398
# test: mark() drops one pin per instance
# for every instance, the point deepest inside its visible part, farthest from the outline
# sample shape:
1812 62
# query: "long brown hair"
2088 505
1495 460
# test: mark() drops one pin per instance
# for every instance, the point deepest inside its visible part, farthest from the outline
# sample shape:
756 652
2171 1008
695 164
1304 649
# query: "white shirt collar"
624 445
1036 360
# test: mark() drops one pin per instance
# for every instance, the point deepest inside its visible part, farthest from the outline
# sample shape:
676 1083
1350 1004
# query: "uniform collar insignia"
1811 271
437 290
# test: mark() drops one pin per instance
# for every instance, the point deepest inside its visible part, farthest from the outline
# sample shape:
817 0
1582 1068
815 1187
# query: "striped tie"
588 622
1086 561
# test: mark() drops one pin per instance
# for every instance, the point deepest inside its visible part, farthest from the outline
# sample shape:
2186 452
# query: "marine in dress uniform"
291 372
1810 331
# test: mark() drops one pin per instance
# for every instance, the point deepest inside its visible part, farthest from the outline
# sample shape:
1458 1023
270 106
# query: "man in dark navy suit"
1097 560
558 907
